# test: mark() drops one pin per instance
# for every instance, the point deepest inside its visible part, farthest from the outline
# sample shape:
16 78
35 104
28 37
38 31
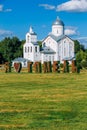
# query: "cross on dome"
31 30
58 18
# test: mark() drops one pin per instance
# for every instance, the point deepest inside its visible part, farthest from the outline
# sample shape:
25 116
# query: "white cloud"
73 6
4 10
71 31
44 26
47 6
70 6
83 40
1 8
8 10
5 33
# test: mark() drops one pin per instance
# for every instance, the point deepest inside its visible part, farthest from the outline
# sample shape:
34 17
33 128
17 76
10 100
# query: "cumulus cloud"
8 10
70 6
5 33
4 10
73 6
1 8
71 31
47 6
83 40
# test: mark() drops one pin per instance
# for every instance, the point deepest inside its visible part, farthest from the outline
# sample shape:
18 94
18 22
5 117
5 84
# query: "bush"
61 65
84 64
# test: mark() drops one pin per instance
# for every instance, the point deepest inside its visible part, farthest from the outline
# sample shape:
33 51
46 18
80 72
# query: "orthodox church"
55 47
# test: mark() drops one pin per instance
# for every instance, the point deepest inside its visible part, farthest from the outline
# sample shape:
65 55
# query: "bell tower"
31 36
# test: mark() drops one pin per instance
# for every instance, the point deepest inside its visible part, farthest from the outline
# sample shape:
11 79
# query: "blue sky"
16 16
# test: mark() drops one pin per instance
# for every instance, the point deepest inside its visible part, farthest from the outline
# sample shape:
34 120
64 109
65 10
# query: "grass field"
43 101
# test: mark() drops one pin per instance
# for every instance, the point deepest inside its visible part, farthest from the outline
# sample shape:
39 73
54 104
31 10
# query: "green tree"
81 55
11 48
40 44
77 46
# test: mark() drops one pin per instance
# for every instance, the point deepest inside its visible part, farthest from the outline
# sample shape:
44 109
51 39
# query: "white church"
55 47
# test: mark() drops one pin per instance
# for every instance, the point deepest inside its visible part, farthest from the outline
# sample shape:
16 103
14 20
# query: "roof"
69 58
20 59
58 22
57 38
35 43
47 50
31 31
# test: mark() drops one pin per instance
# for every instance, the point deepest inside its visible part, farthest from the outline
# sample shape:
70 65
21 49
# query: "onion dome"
58 22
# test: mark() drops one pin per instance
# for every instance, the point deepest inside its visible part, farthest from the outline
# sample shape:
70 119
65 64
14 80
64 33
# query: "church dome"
58 22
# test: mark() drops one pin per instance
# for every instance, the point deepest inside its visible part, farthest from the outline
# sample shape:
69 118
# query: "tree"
11 48
77 46
40 44
84 63
80 56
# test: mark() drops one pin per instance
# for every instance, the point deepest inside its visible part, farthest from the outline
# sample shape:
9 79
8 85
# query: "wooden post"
73 66
45 68
56 66
30 67
37 67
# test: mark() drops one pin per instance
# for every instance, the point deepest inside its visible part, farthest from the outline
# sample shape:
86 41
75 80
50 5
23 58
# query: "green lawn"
43 101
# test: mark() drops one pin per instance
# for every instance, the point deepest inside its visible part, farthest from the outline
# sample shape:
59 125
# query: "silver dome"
58 22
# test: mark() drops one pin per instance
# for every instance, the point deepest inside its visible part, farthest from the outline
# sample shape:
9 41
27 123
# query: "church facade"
55 47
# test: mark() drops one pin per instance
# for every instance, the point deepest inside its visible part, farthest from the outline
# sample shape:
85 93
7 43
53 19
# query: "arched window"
25 49
31 48
44 44
64 51
52 58
36 49
28 49
28 38
70 50
49 58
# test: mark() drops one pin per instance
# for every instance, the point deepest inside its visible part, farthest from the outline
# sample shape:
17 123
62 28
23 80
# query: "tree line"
11 48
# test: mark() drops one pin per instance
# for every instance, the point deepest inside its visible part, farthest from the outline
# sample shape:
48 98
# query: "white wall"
57 30
47 57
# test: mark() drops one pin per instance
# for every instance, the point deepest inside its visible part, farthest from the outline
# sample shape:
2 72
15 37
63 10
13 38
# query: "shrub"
84 63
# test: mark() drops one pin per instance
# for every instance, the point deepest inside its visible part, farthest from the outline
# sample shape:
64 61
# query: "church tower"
31 49
58 27
31 36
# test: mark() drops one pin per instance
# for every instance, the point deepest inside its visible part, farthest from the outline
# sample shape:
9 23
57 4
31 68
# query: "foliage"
40 44
84 63
10 48
61 65
78 46
81 57
78 67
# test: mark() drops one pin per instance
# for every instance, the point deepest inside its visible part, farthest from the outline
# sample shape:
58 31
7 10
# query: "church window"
49 58
31 48
28 49
64 41
25 49
57 31
36 49
28 39
64 51
53 58
44 44
70 51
